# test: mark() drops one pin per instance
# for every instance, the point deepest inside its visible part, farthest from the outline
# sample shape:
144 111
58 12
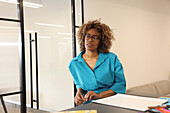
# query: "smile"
89 44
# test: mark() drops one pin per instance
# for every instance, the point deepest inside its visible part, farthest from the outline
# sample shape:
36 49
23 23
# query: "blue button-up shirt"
107 74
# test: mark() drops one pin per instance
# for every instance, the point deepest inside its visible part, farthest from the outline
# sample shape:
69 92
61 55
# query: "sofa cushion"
163 87
168 95
147 89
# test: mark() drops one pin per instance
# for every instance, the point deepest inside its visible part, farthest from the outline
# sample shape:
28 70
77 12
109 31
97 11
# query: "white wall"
141 29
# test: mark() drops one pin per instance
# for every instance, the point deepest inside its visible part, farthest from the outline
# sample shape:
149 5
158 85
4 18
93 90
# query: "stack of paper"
131 102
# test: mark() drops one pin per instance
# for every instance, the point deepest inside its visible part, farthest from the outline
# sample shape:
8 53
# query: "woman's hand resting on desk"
91 95
79 99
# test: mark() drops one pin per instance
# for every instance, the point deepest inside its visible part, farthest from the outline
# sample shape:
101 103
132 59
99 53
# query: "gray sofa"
160 88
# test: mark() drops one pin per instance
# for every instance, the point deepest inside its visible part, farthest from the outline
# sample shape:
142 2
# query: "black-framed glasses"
94 37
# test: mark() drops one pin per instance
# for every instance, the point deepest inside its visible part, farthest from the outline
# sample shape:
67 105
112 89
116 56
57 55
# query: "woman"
97 73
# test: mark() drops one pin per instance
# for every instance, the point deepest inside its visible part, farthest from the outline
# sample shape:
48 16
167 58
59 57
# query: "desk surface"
103 108
110 109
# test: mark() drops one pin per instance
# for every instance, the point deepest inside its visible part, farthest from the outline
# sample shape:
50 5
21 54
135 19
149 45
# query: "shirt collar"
79 57
101 59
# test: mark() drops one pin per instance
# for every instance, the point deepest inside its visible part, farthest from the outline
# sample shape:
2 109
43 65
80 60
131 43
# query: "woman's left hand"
91 95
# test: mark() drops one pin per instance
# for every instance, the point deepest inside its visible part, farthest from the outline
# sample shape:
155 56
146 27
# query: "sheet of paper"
131 102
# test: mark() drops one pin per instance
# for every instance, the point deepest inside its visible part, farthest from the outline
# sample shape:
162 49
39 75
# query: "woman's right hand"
79 99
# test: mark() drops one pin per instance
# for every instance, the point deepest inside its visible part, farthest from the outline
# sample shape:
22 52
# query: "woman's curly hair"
106 35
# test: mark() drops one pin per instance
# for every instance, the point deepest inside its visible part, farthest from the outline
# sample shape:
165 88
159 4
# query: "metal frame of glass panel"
22 58
74 30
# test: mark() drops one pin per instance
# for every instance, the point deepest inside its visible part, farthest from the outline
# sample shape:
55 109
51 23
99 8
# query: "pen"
163 110
152 107
154 111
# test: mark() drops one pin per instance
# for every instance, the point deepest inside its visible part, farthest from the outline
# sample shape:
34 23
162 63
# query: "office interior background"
141 29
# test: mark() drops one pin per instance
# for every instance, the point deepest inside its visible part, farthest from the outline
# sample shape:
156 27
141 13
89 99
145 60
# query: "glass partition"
8 9
52 22
9 57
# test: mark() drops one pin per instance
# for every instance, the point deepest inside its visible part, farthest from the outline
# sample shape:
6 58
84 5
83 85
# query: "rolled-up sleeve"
76 81
119 84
